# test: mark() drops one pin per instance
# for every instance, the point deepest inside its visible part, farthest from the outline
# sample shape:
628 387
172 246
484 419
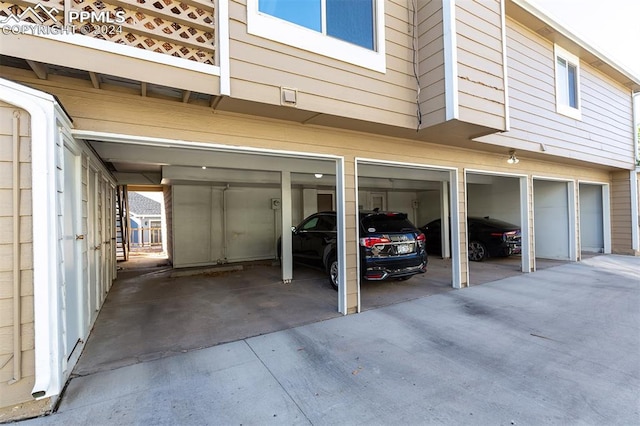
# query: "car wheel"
477 251
333 273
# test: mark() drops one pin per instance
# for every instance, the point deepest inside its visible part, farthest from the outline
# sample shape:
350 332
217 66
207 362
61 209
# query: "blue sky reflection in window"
348 20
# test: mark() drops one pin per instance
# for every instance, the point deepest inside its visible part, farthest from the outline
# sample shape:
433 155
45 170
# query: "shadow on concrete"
149 314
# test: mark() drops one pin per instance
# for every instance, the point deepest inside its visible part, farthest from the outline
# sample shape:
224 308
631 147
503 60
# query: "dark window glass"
573 86
384 223
351 20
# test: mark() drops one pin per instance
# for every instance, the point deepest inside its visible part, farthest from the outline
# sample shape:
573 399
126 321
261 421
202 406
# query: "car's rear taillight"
421 238
502 235
372 241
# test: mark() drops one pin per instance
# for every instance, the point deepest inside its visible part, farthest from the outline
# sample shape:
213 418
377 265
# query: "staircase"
122 223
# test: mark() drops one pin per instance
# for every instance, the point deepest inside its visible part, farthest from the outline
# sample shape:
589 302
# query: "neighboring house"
249 117
145 215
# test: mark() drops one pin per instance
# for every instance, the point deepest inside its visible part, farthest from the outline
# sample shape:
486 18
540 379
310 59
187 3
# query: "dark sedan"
391 247
487 238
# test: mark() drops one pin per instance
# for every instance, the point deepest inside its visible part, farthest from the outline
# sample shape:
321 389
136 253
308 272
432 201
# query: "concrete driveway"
559 346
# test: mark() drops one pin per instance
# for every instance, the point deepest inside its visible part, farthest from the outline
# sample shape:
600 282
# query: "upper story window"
567 83
348 30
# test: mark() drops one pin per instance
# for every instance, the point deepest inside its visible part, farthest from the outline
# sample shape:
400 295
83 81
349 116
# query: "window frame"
273 28
570 59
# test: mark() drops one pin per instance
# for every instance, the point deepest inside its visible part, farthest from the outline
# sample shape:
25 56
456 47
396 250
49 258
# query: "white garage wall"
498 200
591 220
551 219
192 207
252 226
251 223
402 202
428 207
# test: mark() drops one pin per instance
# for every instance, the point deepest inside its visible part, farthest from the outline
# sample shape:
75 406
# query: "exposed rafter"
186 95
39 68
95 79
215 100
143 89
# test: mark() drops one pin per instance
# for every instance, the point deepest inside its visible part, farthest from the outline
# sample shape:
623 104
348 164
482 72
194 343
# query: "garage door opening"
495 207
225 211
593 219
554 223
423 194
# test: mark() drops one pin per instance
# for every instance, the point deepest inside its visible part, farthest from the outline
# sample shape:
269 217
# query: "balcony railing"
184 29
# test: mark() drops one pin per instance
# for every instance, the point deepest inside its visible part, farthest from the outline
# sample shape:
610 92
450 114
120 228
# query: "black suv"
390 245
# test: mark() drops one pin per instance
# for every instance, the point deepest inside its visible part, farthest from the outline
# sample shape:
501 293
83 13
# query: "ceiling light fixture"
318 175
512 157
204 167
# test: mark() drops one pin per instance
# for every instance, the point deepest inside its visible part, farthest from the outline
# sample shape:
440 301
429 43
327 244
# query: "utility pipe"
17 308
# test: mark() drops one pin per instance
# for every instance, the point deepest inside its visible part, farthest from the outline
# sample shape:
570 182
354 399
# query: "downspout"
17 311
46 326
635 219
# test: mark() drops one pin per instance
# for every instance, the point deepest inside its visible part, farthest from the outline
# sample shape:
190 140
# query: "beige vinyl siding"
325 85
19 391
431 62
481 94
603 135
621 213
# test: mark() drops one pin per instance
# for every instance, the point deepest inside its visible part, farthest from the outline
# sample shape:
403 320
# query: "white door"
93 241
72 248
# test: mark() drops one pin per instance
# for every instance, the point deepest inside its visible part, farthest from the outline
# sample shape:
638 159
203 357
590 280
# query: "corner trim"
450 59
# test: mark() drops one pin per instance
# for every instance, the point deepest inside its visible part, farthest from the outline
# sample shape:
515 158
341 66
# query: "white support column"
524 224
606 218
286 258
444 220
573 221
456 265
342 237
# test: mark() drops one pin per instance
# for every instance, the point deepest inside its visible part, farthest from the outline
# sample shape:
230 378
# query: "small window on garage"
567 83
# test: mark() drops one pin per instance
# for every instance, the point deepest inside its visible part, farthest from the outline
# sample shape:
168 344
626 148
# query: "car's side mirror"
293 229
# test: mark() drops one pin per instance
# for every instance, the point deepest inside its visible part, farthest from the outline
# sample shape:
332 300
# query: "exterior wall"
17 361
621 213
326 85
603 136
481 90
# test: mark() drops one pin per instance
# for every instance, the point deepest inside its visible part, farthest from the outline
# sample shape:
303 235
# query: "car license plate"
403 248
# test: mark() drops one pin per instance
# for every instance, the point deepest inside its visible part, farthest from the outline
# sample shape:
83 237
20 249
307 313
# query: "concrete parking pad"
559 346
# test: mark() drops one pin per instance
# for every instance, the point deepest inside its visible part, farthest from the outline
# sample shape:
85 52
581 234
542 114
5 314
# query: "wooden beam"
215 101
95 80
39 68
186 95
143 89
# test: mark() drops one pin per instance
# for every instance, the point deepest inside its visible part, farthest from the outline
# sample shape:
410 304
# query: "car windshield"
387 223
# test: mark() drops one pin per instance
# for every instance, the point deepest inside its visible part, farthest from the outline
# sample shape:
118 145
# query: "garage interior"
496 197
222 289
